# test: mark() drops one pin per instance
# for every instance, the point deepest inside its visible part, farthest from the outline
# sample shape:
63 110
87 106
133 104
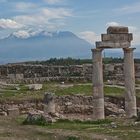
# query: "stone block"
11 76
13 112
19 76
117 37
3 113
117 30
109 67
35 86
112 44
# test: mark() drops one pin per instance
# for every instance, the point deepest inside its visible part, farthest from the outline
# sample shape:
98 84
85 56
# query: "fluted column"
129 73
98 94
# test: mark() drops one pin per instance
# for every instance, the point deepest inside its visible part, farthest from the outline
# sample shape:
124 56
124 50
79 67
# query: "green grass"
16 131
42 122
13 95
73 138
75 125
124 131
137 82
87 90
113 91
76 89
24 94
97 122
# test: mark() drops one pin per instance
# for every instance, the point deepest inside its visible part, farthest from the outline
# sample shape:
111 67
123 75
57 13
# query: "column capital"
127 50
97 50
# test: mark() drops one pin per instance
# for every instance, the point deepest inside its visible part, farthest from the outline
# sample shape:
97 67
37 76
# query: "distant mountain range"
45 45
42 46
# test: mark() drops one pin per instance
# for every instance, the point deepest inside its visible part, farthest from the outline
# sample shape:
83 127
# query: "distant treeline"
61 61
72 61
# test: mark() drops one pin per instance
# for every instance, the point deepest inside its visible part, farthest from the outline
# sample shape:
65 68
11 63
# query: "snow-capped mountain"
43 45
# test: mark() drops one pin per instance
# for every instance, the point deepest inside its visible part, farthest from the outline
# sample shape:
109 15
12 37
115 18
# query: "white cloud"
33 33
35 16
132 29
89 36
53 13
112 24
128 9
136 35
56 13
22 6
136 38
28 33
9 24
53 1
46 17
21 34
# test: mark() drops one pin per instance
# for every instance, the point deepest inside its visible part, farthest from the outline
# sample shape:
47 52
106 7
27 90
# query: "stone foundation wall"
69 104
82 104
39 73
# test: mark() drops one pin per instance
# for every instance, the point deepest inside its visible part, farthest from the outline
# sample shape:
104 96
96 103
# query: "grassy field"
123 131
10 93
12 128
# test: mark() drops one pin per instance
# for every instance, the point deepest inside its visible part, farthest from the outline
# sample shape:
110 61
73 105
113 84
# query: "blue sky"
86 18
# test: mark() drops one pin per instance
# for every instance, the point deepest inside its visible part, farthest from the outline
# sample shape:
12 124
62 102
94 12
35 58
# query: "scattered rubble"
35 86
41 118
13 112
65 105
113 109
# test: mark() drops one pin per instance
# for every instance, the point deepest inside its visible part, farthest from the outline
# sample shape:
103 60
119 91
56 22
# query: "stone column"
49 100
129 73
98 94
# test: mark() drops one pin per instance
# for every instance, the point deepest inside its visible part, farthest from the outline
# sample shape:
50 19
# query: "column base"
131 108
98 109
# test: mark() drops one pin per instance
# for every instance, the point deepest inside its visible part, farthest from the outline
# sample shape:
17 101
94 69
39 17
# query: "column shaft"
129 73
98 94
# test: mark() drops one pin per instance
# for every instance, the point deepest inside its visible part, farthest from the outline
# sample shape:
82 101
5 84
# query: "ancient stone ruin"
116 37
31 74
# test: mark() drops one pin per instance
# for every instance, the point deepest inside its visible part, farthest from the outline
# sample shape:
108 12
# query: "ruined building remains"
21 73
116 37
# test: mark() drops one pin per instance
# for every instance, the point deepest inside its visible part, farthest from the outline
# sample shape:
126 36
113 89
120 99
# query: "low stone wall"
20 73
83 104
70 104
41 80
